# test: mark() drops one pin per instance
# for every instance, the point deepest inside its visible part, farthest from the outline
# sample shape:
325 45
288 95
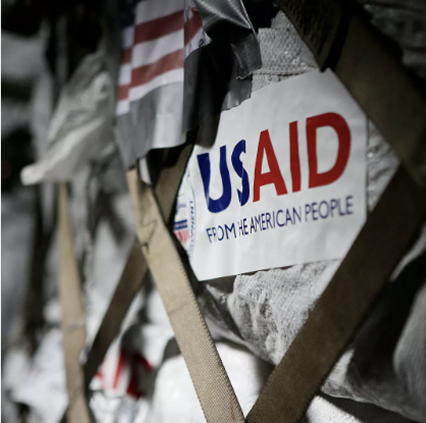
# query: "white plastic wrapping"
265 310
81 124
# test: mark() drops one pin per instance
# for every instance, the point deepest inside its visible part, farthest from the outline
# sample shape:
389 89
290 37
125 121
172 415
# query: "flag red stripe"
192 26
183 236
146 73
127 55
157 28
123 92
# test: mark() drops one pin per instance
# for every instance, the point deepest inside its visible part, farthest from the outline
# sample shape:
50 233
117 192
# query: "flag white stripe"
128 36
193 44
123 107
188 13
175 75
125 76
151 51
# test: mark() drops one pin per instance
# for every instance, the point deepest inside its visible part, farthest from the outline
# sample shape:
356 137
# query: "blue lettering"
240 228
297 214
223 233
230 229
268 220
215 206
245 226
325 215
257 218
314 211
307 211
349 204
252 226
288 217
341 212
278 223
333 203
243 195
209 234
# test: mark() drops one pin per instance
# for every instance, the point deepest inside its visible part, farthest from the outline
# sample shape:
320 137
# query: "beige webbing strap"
371 72
214 390
382 242
386 93
381 86
127 288
134 271
73 323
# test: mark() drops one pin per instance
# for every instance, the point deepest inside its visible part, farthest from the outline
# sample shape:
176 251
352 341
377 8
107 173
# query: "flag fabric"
157 35
152 50
195 36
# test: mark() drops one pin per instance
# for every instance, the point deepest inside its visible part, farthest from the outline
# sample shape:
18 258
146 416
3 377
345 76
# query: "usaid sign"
283 184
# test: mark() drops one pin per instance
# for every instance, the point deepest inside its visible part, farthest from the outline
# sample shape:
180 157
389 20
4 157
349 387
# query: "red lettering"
294 157
274 175
339 124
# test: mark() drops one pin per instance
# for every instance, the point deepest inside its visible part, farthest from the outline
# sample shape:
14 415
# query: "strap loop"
73 326
134 271
214 390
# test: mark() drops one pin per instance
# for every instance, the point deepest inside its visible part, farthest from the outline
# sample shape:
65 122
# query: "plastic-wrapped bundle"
81 151
21 67
262 311
265 310
81 125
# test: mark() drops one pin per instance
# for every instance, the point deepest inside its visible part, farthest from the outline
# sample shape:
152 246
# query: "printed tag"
283 184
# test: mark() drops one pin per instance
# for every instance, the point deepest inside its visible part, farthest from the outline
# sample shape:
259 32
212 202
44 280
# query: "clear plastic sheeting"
15 115
404 22
283 53
265 310
174 396
324 408
42 385
17 50
81 126
227 21
144 378
9 412
253 317
17 229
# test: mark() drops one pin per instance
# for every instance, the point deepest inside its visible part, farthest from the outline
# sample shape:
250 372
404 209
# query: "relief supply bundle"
240 231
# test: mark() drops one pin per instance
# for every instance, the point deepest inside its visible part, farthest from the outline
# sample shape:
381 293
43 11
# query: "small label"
283 184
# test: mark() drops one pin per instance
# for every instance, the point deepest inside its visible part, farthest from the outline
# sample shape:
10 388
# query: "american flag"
157 36
181 230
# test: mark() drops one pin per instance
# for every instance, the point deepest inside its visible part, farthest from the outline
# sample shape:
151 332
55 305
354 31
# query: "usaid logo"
283 184
266 152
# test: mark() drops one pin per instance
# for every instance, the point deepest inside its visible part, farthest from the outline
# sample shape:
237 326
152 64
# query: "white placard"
283 184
